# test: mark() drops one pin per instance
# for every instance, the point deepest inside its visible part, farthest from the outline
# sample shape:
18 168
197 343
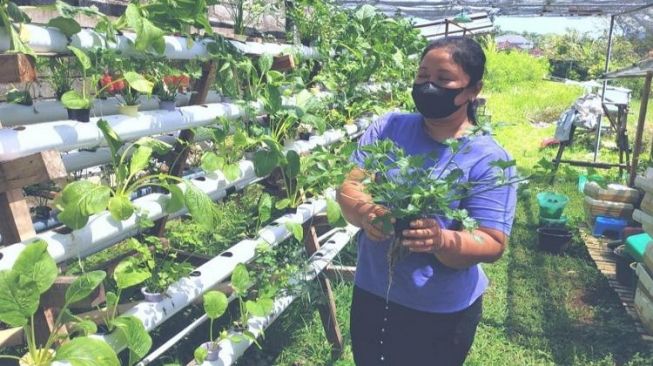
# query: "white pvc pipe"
102 230
230 351
51 40
70 135
52 110
186 290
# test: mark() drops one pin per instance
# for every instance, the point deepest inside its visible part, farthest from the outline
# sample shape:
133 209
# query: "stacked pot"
552 235
614 201
644 215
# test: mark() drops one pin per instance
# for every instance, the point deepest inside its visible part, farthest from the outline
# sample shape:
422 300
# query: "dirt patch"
581 302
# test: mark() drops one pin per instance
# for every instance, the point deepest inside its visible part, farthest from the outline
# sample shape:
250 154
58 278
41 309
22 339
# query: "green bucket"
551 204
561 222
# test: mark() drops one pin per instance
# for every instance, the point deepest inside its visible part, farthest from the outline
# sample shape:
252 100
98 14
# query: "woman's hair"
469 55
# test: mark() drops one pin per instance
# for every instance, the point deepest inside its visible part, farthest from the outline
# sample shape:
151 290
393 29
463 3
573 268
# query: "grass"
540 309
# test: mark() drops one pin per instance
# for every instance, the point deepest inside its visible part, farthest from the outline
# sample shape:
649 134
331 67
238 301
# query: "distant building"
513 41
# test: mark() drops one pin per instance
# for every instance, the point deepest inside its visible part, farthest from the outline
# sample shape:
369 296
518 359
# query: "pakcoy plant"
215 304
21 287
230 141
12 19
167 88
241 282
81 199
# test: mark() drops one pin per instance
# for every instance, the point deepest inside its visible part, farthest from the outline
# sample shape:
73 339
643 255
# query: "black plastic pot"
81 115
402 224
625 273
304 136
553 239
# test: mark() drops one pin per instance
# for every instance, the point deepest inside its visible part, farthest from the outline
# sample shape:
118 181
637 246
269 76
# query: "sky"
558 25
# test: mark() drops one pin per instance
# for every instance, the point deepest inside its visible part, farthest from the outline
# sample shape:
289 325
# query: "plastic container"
645 182
636 245
553 240
613 193
625 273
551 204
594 208
612 227
645 219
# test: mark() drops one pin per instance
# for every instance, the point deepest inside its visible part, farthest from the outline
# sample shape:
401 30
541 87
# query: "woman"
430 313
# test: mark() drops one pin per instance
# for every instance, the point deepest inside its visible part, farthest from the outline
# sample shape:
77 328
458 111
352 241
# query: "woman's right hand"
372 226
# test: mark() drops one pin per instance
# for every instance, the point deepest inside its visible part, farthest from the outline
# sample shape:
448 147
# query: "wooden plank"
283 63
327 309
32 169
343 273
17 68
15 219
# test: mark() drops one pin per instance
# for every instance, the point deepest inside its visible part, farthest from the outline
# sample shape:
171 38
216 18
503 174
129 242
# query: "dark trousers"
390 334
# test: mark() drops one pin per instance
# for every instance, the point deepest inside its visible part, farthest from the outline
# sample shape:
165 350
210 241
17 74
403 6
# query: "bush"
506 69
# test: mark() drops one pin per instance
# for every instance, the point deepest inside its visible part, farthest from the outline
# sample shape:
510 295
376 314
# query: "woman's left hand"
424 236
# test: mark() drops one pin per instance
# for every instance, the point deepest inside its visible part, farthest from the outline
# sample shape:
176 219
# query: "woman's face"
439 68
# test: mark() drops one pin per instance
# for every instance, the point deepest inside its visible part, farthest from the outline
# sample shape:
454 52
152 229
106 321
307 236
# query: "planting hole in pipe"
331 241
19 128
1 255
227 254
318 255
195 274
201 179
63 230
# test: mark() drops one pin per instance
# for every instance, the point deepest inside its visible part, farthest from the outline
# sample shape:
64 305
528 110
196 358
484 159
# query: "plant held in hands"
81 199
413 186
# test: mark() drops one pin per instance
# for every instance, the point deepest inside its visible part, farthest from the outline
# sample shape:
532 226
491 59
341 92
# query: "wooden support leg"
15 219
328 309
177 162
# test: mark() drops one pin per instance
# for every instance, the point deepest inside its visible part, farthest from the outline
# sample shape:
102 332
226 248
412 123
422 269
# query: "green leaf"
133 334
503 164
147 34
215 304
264 162
139 83
67 26
84 327
16 13
81 199
82 57
240 279
265 208
19 298
265 63
200 354
296 229
200 206
231 171
140 159
333 211
73 100
130 273
282 204
260 307
176 200
292 166
112 299
158 147
83 286
211 162
120 207
112 139
274 100
34 263
85 351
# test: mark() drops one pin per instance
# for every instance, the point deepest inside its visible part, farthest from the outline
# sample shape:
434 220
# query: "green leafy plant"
33 273
81 199
230 141
60 75
241 282
164 269
73 99
215 305
13 18
247 12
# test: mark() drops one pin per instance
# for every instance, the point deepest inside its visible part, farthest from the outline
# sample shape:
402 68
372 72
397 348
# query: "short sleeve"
492 208
372 133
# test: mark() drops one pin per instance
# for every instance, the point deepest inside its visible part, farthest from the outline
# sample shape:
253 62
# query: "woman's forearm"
354 203
462 249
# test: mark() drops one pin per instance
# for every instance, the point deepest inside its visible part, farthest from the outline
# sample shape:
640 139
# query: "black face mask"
434 101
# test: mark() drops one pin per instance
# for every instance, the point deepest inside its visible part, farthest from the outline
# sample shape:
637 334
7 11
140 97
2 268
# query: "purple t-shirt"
420 281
